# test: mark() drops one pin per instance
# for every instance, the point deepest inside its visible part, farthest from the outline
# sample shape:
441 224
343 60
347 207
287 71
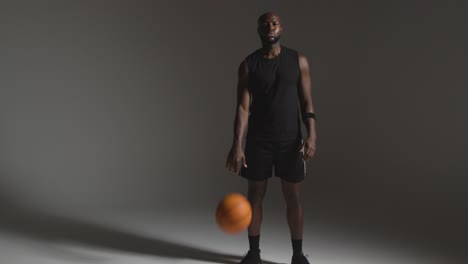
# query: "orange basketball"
233 214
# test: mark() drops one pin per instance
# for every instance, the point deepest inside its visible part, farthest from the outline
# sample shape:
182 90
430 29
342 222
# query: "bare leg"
291 193
256 193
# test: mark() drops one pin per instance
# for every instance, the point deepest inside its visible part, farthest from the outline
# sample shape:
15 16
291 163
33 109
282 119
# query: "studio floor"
181 236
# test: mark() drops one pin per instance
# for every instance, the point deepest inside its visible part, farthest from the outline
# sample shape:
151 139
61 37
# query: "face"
269 28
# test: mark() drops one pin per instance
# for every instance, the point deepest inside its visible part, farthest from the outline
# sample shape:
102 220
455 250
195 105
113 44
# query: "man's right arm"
243 105
236 157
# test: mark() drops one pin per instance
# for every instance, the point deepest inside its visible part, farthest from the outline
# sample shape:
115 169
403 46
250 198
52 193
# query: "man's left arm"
307 108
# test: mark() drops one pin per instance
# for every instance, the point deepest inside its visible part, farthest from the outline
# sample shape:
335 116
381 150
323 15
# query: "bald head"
269 27
267 15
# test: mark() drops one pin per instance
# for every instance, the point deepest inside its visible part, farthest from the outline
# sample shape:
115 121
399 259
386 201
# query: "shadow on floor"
53 229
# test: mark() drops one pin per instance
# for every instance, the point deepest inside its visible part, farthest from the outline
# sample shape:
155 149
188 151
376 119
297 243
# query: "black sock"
297 246
254 242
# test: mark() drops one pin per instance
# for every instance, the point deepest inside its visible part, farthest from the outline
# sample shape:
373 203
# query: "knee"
256 197
292 199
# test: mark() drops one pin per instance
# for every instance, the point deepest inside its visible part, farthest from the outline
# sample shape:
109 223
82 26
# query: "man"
273 86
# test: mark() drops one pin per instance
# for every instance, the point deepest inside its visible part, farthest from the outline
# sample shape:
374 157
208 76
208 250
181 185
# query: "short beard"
267 40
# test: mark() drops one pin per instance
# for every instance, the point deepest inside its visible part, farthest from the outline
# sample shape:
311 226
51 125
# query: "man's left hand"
308 148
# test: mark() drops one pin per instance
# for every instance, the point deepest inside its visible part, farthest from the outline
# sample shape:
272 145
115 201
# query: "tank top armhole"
248 66
297 54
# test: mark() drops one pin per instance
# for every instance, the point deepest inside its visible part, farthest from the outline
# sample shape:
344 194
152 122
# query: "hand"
308 149
236 159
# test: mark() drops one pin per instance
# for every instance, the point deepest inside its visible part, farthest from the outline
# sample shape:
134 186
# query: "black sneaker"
299 259
252 257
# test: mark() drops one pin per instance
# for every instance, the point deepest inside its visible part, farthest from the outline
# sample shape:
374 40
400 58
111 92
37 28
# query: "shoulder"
295 53
301 57
247 61
299 54
243 68
303 61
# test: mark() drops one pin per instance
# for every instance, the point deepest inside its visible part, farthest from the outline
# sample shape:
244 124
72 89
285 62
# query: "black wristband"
308 115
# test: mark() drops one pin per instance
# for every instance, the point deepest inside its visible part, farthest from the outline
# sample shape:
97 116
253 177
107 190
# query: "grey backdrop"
130 104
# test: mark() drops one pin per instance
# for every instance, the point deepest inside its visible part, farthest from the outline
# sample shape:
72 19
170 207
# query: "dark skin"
269 30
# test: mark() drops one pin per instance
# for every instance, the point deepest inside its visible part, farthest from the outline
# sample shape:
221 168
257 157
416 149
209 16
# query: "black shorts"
284 156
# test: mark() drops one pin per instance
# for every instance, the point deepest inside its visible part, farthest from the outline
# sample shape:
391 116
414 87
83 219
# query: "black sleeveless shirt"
273 84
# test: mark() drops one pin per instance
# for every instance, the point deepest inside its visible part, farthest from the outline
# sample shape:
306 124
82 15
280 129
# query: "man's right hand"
236 159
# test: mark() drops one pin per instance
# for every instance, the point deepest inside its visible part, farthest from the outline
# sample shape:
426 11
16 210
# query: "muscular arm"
236 157
243 105
305 95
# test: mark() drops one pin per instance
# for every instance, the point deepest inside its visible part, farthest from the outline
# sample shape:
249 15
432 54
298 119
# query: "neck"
270 49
